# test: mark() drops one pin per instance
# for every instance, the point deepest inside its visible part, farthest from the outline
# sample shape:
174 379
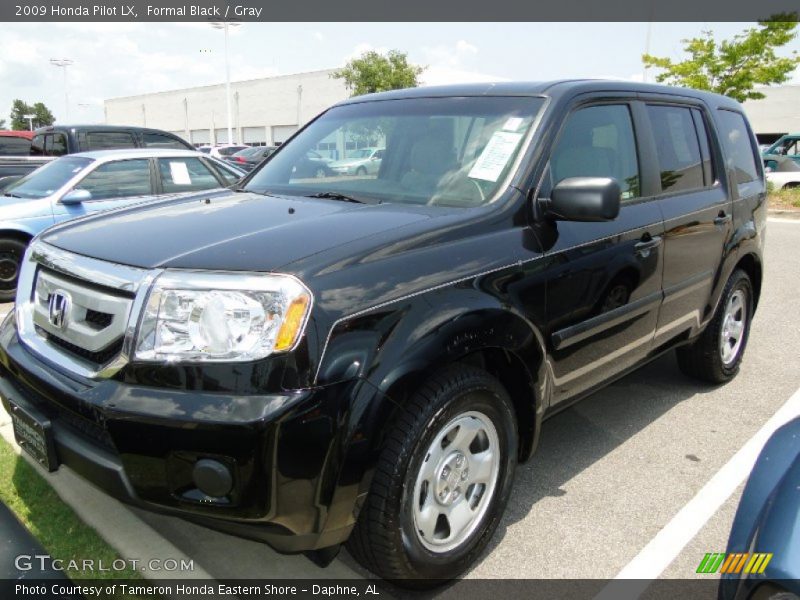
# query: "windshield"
448 151
48 178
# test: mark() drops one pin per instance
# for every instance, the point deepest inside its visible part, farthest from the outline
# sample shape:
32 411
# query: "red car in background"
15 143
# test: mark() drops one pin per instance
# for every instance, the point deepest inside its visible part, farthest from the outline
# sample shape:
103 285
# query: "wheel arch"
750 263
17 234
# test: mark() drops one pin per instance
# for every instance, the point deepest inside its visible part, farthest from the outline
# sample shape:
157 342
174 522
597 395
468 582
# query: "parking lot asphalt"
611 472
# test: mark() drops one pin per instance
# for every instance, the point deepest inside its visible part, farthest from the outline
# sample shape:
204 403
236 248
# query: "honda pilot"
316 359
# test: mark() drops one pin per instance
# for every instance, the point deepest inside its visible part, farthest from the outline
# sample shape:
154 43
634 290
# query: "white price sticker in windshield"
495 156
179 173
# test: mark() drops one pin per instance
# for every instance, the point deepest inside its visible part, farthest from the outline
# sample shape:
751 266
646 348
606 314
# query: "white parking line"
670 541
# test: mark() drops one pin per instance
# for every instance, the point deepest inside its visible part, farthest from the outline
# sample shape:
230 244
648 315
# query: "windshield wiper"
337 196
7 195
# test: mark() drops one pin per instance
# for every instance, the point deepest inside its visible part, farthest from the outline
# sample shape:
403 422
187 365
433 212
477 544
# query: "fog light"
212 478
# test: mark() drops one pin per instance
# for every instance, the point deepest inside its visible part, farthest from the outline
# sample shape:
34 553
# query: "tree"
733 67
373 72
42 115
2 123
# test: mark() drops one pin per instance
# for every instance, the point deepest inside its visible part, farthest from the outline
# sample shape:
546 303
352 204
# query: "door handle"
647 244
722 218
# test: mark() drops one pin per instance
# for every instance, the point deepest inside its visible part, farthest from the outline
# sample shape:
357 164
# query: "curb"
783 213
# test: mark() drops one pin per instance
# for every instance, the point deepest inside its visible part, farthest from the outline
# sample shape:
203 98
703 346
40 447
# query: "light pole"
63 63
225 25
30 120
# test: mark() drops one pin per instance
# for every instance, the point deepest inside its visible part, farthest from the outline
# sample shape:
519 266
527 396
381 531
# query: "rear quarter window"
740 155
159 140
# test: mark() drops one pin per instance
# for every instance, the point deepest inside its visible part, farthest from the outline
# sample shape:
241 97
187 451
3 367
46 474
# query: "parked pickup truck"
58 140
314 360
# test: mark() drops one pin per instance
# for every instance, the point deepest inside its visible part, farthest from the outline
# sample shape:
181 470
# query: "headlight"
221 317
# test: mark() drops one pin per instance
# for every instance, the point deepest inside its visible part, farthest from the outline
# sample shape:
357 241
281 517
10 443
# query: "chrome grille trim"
47 261
80 332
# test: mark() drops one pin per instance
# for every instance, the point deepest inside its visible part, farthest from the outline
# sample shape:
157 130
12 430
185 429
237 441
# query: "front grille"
75 310
100 319
99 358
83 426
92 326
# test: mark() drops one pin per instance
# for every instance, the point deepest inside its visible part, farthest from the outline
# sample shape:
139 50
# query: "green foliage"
19 109
51 521
2 123
373 72
734 67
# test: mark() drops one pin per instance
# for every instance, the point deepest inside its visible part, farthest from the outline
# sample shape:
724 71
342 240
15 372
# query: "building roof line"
218 85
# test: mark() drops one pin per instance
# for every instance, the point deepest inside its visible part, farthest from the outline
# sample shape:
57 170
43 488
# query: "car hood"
236 231
12 209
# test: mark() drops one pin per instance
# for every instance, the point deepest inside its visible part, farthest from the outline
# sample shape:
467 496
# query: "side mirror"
768 169
76 197
584 199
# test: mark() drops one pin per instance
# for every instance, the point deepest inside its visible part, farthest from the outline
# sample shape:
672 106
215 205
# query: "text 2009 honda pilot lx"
309 361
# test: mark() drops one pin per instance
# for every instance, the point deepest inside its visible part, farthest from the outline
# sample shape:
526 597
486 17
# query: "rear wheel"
442 481
716 355
11 253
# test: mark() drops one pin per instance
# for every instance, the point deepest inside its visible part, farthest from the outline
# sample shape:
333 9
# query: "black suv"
58 140
314 360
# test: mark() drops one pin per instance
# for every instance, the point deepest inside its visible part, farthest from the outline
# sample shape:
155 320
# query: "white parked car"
365 161
782 172
221 151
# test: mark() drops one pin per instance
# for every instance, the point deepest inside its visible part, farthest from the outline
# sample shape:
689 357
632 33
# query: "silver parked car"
365 161
80 184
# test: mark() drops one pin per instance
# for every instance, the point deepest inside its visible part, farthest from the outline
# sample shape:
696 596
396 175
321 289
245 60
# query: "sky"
124 59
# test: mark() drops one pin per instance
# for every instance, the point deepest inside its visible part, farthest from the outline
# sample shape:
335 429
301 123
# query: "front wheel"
716 355
11 253
442 481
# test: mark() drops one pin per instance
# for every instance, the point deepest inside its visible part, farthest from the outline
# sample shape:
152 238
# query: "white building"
776 114
264 111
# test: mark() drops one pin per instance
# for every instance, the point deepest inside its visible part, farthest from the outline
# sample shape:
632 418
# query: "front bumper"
139 444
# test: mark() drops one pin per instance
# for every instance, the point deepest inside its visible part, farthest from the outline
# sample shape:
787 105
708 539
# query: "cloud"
452 55
444 75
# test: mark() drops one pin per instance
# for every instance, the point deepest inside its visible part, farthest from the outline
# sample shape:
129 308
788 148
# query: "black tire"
361 171
11 253
385 539
703 359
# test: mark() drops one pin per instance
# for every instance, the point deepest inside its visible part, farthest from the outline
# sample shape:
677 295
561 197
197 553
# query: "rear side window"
739 152
680 164
14 146
185 175
159 140
119 179
55 144
598 141
103 140
51 144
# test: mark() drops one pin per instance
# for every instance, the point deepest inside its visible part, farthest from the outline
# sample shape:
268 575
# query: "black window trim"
712 145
